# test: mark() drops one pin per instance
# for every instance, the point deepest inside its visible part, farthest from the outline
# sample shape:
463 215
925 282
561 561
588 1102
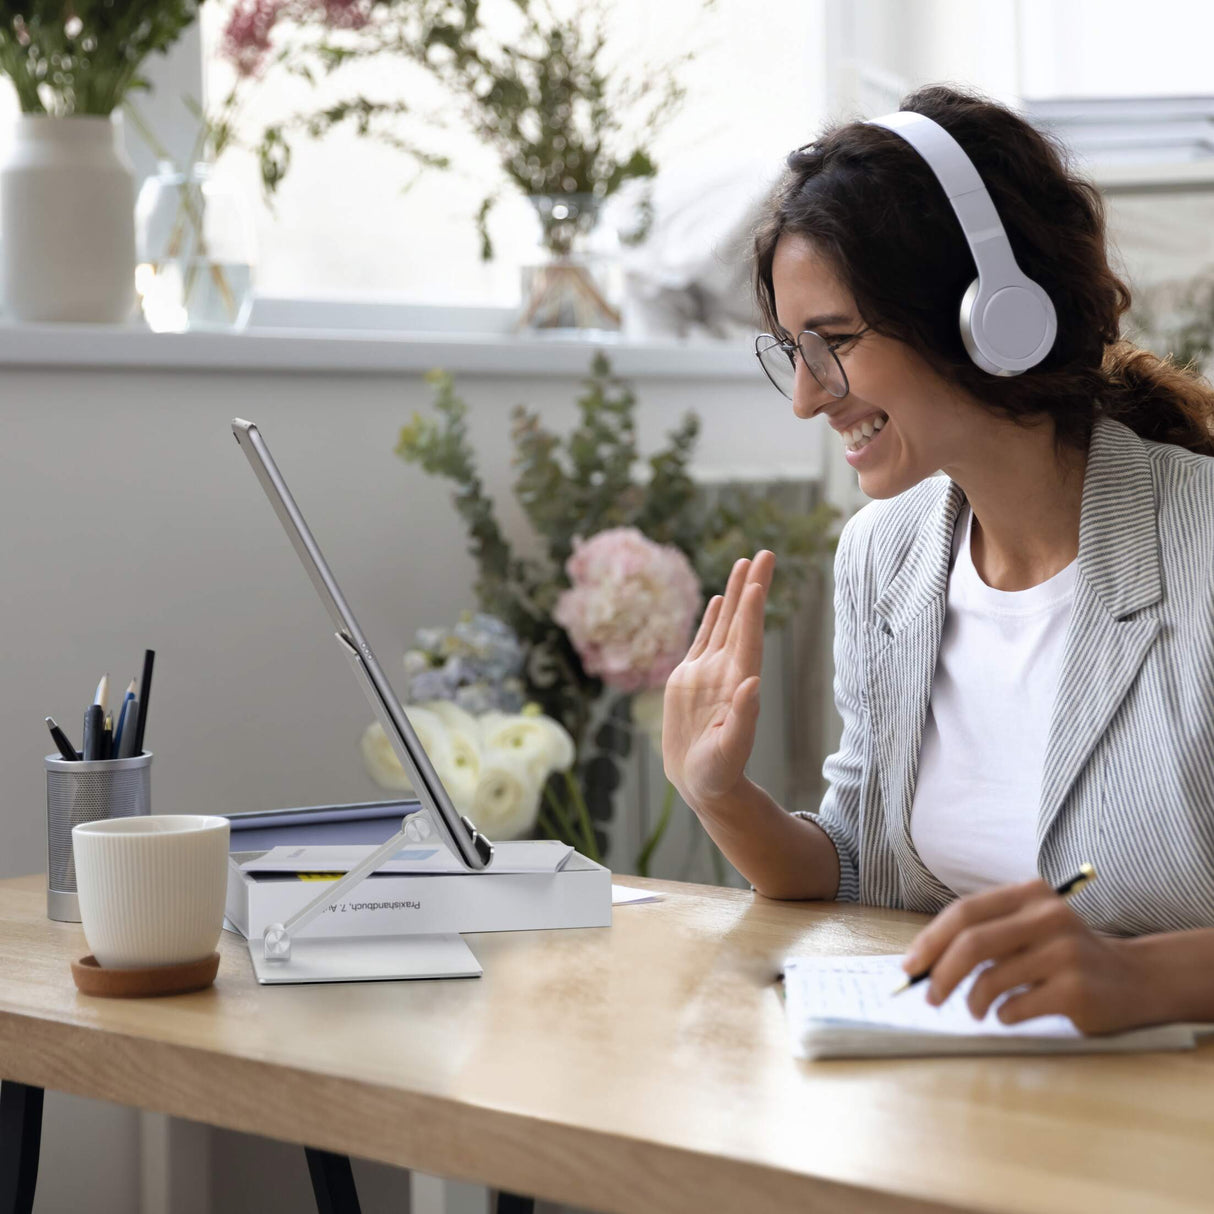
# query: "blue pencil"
126 703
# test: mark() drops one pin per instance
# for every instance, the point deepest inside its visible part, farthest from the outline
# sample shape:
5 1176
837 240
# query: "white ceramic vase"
67 221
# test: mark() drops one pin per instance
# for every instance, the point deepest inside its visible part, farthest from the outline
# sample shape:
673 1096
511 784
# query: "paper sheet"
844 1007
857 991
626 893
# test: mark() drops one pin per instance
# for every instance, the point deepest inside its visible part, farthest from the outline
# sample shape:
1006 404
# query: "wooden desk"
638 1068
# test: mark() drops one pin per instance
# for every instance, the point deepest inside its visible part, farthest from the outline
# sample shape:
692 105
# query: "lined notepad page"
844 1006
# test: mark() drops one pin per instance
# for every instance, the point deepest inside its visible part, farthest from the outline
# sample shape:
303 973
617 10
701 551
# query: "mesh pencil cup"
86 792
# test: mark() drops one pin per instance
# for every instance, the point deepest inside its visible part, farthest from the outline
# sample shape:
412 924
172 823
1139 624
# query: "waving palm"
711 703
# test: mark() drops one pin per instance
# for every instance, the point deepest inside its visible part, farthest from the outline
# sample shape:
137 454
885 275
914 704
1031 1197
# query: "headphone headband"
1008 322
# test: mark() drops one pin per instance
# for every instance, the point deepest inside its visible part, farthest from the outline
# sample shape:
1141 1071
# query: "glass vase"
575 284
195 252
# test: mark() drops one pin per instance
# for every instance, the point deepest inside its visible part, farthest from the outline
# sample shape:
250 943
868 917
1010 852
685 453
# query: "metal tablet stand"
283 958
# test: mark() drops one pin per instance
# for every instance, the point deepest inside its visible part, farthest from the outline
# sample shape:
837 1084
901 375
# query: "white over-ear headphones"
1008 323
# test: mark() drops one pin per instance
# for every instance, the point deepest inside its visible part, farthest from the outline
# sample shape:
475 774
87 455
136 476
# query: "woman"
1024 646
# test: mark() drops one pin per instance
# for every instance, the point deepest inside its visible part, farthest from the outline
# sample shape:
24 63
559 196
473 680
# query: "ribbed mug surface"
151 888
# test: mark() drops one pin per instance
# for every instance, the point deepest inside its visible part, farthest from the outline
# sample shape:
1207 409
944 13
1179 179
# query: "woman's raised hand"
711 703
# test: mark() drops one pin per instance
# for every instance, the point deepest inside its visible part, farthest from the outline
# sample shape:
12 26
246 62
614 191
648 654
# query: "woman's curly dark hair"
870 204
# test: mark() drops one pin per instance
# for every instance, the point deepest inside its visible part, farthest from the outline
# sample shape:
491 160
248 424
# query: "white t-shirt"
974 815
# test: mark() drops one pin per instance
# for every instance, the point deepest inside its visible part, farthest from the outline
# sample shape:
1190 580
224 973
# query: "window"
341 228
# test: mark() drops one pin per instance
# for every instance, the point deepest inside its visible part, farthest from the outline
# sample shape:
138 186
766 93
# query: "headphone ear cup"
1010 329
966 322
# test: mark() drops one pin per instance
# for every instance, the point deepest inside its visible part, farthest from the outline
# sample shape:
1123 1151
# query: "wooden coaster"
92 979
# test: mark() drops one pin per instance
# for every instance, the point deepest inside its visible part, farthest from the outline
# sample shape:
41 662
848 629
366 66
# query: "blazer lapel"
904 643
1119 575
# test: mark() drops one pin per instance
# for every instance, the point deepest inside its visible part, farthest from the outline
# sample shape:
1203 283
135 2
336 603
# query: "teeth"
863 434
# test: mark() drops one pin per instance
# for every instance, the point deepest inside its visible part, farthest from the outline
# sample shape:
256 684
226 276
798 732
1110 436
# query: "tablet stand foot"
20 1141
332 1182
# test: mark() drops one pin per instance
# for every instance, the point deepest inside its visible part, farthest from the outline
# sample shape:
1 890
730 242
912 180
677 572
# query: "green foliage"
545 100
1177 319
582 484
534 87
69 57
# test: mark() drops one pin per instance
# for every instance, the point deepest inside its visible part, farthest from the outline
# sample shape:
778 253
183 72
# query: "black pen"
66 749
1085 876
94 721
145 691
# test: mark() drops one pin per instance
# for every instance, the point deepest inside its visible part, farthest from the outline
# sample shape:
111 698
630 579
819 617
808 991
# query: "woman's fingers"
737 731
733 592
931 942
700 643
745 639
1034 924
1023 969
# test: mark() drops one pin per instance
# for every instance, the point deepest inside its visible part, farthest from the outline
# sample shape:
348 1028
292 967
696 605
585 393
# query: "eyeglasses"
778 359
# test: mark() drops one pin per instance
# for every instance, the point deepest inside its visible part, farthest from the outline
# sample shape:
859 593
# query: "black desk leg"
512 1203
332 1182
20 1140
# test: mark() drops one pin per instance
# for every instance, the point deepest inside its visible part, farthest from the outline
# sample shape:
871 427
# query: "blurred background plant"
628 560
537 87
84 57
1176 317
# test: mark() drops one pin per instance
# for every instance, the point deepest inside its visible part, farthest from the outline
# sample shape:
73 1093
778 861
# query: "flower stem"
567 831
592 847
658 831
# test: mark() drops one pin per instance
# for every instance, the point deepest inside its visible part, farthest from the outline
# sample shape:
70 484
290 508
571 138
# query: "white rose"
380 760
507 799
453 716
461 773
431 733
538 741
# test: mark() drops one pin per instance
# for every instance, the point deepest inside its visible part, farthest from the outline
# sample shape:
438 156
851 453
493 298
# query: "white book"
511 856
420 903
844 1007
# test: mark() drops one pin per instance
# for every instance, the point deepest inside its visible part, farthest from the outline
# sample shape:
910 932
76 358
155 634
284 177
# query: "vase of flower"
576 282
195 248
67 202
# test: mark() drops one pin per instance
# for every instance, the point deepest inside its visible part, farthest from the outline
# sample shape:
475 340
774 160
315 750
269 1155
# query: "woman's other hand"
711 703
1040 949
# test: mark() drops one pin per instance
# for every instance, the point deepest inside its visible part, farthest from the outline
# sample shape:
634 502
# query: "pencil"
1085 876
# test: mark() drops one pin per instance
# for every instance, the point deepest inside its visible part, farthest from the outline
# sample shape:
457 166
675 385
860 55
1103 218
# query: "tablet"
457 831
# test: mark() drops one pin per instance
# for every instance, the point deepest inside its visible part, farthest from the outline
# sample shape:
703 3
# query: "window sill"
366 352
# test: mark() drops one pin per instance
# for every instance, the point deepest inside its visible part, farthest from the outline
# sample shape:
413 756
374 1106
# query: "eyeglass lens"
778 362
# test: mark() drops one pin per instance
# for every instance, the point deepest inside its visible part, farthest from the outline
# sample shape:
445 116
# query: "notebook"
842 1007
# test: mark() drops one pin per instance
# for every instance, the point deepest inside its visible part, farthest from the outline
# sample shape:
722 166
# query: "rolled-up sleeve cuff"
849 876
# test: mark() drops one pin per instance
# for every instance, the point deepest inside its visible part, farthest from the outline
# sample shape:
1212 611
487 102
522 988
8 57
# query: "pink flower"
345 14
246 37
630 609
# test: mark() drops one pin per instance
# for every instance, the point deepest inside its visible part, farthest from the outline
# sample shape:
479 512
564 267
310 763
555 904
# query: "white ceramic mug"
151 889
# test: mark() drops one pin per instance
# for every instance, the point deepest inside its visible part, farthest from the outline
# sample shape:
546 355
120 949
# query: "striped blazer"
1128 781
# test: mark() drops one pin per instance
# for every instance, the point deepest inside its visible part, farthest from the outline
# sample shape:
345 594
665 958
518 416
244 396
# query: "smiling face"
929 421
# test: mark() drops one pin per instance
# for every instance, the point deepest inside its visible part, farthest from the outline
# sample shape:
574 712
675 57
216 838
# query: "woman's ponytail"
1157 399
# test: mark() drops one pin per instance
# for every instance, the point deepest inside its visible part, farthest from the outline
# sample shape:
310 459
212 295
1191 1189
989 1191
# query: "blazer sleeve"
839 813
